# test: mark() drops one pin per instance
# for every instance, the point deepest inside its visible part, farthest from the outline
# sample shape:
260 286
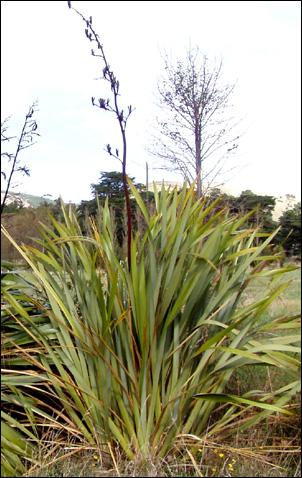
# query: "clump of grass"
138 361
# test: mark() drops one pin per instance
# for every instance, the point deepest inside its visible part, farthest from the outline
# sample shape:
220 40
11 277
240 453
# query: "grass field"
267 449
289 302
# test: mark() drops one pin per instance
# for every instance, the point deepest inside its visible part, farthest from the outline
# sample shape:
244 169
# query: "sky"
45 56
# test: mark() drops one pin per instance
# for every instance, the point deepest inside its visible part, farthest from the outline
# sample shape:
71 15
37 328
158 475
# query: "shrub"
139 356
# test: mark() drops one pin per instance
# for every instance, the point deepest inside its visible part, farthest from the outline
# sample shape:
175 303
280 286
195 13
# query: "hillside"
27 199
282 202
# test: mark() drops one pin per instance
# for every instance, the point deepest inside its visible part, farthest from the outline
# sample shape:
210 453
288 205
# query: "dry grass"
226 460
271 449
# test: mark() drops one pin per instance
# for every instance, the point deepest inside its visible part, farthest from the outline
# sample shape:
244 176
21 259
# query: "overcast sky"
46 56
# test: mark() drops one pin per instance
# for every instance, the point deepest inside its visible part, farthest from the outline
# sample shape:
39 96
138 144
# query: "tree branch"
28 131
195 102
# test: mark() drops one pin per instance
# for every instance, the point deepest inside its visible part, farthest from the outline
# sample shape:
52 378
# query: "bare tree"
121 116
194 123
25 141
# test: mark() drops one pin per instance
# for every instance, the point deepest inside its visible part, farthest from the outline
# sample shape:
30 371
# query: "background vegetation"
20 220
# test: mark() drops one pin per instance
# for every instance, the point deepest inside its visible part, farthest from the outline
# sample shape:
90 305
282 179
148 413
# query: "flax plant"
139 356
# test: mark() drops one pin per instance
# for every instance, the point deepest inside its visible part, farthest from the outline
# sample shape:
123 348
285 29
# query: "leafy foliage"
111 188
13 207
290 233
247 202
139 358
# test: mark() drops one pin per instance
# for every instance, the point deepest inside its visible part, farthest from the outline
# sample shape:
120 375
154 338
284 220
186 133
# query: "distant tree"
290 201
13 207
247 201
290 233
111 186
195 125
25 140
